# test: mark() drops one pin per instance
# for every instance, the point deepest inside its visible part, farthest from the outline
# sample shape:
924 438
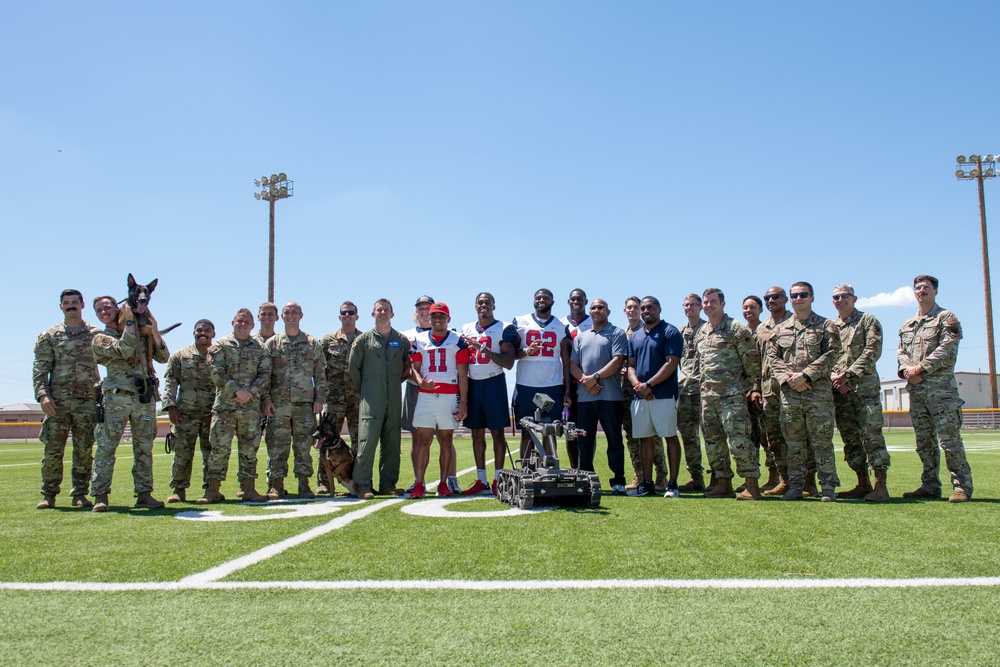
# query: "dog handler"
130 397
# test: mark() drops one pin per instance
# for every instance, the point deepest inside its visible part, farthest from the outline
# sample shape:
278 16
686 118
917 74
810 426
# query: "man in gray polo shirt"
595 363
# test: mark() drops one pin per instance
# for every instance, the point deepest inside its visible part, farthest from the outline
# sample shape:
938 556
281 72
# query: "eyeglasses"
800 295
598 308
838 297
345 313
773 297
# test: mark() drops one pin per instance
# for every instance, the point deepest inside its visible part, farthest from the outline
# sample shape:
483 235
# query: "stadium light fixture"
274 188
978 168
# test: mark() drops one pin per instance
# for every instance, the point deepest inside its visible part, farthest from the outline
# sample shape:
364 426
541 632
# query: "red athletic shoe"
443 490
475 489
419 490
494 487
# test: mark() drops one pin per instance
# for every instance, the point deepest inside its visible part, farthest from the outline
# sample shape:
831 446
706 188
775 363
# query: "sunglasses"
838 297
800 295
344 313
773 297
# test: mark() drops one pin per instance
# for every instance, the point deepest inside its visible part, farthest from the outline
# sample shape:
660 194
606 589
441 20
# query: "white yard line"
193 583
226 569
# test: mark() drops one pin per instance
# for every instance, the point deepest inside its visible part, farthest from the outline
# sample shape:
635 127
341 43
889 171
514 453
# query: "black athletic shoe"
647 488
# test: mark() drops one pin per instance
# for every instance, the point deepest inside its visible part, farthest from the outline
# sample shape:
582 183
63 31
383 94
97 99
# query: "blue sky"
452 147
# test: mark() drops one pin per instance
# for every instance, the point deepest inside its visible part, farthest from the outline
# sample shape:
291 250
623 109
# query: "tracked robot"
539 480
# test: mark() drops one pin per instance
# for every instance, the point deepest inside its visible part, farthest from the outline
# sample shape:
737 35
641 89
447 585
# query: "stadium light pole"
980 167
275 187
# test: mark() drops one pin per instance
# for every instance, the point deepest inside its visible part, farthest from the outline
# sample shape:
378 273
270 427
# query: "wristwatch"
597 376
849 375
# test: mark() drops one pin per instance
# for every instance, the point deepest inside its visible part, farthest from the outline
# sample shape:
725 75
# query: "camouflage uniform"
343 399
756 412
689 403
632 444
268 432
298 379
773 437
188 387
730 367
809 347
236 364
859 411
124 355
64 370
931 340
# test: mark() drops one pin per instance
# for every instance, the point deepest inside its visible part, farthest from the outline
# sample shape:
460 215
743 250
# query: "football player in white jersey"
578 321
492 346
544 344
439 361
422 322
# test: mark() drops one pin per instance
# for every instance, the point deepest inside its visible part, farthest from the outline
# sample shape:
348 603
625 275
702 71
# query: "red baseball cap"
439 307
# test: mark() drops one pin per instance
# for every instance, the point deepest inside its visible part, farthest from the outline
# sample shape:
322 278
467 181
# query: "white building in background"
973 388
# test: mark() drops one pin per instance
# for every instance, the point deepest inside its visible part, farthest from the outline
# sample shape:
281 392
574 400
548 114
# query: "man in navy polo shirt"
653 354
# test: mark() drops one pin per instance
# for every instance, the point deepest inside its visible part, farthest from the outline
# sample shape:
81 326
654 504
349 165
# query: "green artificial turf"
626 538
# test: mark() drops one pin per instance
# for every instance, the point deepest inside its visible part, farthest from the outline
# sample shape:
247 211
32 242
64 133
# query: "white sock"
481 474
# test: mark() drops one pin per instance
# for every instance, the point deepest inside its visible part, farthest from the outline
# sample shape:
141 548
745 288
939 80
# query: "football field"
472 581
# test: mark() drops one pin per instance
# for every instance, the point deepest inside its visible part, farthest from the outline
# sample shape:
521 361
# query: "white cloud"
901 297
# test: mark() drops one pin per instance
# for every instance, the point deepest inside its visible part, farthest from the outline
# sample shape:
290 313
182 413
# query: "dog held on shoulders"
335 455
136 307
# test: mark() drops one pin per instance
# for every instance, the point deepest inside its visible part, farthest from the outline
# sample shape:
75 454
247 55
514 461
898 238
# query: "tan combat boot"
773 479
696 485
47 502
712 482
782 485
723 489
81 501
751 490
145 500
304 490
634 484
100 503
958 496
277 489
178 496
250 494
880 493
863 488
212 494
661 482
810 489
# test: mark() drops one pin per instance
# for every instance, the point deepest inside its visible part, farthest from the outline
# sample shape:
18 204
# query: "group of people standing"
779 384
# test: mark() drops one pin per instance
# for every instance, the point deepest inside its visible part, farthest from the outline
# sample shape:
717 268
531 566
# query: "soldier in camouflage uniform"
296 395
632 444
775 301
689 399
343 400
188 395
241 374
267 315
801 355
729 362
857 396
64 375
928 348
130 395
753 306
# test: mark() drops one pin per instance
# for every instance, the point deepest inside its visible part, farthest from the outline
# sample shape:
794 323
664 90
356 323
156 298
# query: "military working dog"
335 455
136 306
